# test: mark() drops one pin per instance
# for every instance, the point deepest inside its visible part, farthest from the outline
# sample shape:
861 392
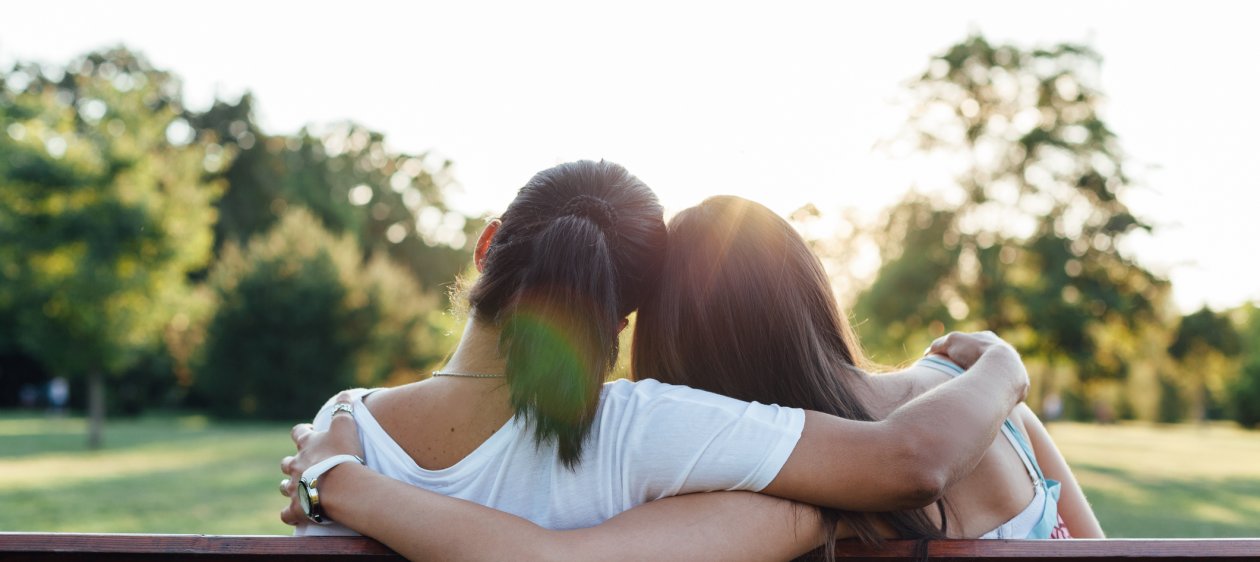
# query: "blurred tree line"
1027 245
159 256
184 258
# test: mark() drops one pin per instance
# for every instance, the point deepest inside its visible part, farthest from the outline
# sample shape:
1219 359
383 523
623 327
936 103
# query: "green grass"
1167 481
183 474
155 475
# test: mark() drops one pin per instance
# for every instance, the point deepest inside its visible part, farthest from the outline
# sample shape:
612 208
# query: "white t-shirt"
649 440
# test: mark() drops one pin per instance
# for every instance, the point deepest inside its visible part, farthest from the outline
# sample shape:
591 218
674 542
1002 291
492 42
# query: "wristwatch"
308 486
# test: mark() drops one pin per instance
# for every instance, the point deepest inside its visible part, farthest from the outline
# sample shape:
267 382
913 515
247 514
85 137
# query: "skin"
1073 507
999 487
932 440
424 525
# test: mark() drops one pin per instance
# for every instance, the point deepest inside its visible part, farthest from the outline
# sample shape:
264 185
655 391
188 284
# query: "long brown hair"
745 309
577 251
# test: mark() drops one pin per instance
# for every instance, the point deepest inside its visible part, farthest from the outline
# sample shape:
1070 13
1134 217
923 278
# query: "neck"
486 399
478 349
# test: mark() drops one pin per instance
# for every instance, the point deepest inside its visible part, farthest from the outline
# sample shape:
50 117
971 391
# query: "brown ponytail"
578 248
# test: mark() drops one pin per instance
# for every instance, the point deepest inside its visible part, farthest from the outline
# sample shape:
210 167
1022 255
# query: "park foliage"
183 258
187 258
1027 241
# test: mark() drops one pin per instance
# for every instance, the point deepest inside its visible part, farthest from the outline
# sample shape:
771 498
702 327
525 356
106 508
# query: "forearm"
951 426
907 460
420 524
704 526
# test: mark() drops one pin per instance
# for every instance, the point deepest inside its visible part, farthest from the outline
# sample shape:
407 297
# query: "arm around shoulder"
422 525
859 466
907 460
702 526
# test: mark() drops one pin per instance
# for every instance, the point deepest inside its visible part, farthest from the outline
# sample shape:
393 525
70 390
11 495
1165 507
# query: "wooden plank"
1099 550
83 546
266 547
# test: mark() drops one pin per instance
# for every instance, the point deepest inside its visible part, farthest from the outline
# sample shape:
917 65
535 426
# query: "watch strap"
319 468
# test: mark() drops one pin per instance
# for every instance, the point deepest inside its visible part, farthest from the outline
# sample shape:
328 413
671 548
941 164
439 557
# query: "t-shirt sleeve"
682 440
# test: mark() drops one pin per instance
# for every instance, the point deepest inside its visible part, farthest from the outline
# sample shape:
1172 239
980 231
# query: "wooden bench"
117 547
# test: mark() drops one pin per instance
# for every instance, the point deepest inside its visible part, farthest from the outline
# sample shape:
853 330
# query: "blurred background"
214 217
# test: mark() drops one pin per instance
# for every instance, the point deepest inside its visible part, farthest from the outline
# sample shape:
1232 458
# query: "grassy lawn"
182 474
1167 481
155 475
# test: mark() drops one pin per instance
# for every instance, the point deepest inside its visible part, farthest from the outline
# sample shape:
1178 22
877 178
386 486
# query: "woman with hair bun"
520 420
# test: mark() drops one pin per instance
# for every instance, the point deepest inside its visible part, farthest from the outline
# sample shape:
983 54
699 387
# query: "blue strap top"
1038 520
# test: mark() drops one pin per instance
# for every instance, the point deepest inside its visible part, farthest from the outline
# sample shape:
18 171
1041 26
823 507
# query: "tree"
300 317
103 213
1026 243
1244 390
345 174
1204 345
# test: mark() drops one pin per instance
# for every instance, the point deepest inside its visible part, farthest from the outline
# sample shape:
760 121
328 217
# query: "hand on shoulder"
965 348
315 446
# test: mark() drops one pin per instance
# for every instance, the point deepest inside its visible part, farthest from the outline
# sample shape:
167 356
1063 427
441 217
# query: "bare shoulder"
894 388
1023 417
387 398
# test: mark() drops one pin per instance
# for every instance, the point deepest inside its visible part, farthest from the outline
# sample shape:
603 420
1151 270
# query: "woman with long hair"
518 418
747 311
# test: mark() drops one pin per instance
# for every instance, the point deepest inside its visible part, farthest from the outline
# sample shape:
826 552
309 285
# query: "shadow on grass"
235 496
25 436
1151 506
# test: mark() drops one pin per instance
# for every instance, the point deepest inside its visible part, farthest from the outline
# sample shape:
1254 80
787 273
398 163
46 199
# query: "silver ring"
343 407
284 487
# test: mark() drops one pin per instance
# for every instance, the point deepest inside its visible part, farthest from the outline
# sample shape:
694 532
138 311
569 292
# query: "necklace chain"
466 375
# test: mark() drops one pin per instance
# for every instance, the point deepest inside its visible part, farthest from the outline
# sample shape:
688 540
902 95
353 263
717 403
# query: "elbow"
924 476
929 487
925 486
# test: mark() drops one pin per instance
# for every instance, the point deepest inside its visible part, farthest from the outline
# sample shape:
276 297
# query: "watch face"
304 497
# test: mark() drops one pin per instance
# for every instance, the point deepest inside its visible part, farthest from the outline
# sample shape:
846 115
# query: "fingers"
940 345
292 515
343 435
299 433
303 435
343 414
343 420
964 349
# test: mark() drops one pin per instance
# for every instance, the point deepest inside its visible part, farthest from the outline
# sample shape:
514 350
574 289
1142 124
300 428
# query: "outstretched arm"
708 526
907 460
1073 507
424 525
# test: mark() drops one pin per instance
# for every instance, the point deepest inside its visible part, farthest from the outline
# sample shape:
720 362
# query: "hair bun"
597 210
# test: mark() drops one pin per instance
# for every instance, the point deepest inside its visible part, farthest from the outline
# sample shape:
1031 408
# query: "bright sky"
779 102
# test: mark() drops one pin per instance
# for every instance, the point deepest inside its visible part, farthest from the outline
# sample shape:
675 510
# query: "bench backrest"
106 547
